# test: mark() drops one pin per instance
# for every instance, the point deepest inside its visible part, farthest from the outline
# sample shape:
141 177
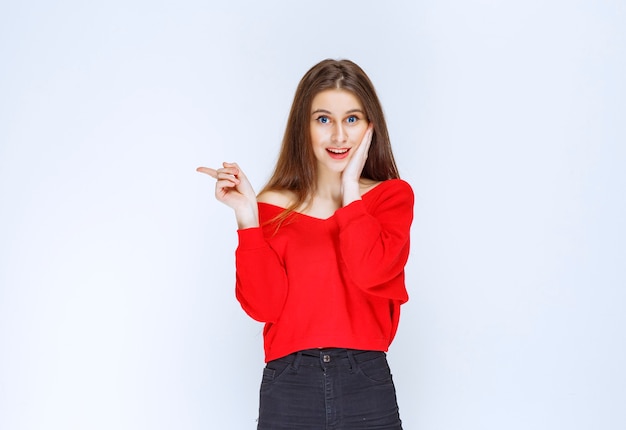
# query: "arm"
261 279
261 285
374 241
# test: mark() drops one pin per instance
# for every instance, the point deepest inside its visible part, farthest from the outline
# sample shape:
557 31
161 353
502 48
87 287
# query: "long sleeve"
374 240
261 280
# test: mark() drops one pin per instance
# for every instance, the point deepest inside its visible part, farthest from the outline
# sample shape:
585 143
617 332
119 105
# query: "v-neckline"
318 218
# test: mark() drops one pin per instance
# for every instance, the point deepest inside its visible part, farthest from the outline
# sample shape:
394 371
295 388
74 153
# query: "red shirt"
335 282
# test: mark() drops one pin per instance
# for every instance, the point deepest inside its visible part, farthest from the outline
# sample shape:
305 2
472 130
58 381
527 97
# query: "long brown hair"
296 169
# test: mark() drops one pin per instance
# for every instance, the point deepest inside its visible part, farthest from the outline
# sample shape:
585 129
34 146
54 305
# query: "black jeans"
329 389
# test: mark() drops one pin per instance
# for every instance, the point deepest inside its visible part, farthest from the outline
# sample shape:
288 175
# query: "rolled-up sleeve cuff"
251 238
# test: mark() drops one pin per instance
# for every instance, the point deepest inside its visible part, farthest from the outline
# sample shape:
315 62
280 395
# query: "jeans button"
326 358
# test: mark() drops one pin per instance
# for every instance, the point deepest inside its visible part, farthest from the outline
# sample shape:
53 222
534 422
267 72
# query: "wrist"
247 217
350 192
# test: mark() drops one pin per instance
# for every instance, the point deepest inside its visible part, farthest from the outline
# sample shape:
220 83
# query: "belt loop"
353 365
296 361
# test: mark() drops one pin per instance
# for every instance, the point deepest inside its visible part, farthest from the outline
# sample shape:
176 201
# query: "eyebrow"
330 113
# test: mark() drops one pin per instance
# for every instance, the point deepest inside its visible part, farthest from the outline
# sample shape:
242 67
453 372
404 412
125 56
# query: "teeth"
338 151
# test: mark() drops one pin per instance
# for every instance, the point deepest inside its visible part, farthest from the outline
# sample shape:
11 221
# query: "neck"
329 186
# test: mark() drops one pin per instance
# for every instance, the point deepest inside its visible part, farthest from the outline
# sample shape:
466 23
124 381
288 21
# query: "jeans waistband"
339 353
331 357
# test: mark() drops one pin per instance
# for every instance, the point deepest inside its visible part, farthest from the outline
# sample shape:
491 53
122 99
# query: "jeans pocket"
275 369
376 370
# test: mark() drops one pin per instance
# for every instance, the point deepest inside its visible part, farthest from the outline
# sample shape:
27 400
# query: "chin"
337 169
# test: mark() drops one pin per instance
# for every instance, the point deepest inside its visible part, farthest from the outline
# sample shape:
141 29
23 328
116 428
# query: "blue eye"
352 119
323 119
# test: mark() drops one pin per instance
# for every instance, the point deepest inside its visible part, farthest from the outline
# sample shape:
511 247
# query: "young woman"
321 257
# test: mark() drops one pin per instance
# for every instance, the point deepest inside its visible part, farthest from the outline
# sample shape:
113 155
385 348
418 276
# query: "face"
338 124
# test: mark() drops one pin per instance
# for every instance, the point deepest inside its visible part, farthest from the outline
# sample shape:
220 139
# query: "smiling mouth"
338 153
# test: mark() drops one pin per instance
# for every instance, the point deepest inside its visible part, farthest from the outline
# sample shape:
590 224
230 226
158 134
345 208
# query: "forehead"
336 101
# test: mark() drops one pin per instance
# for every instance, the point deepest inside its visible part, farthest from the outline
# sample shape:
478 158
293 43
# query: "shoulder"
394 196
391 188
281 198
401 185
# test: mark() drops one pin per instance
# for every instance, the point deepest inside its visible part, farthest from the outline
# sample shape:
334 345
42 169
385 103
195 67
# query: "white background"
117 306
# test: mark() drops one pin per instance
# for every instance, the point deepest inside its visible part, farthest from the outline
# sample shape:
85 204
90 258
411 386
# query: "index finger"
370 131
367 137
207 171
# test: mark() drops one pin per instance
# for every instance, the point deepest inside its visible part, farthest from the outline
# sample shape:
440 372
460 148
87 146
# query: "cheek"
320 136
359 134
315 133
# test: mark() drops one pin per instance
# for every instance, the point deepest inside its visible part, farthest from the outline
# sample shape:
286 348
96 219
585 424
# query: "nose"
339 134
